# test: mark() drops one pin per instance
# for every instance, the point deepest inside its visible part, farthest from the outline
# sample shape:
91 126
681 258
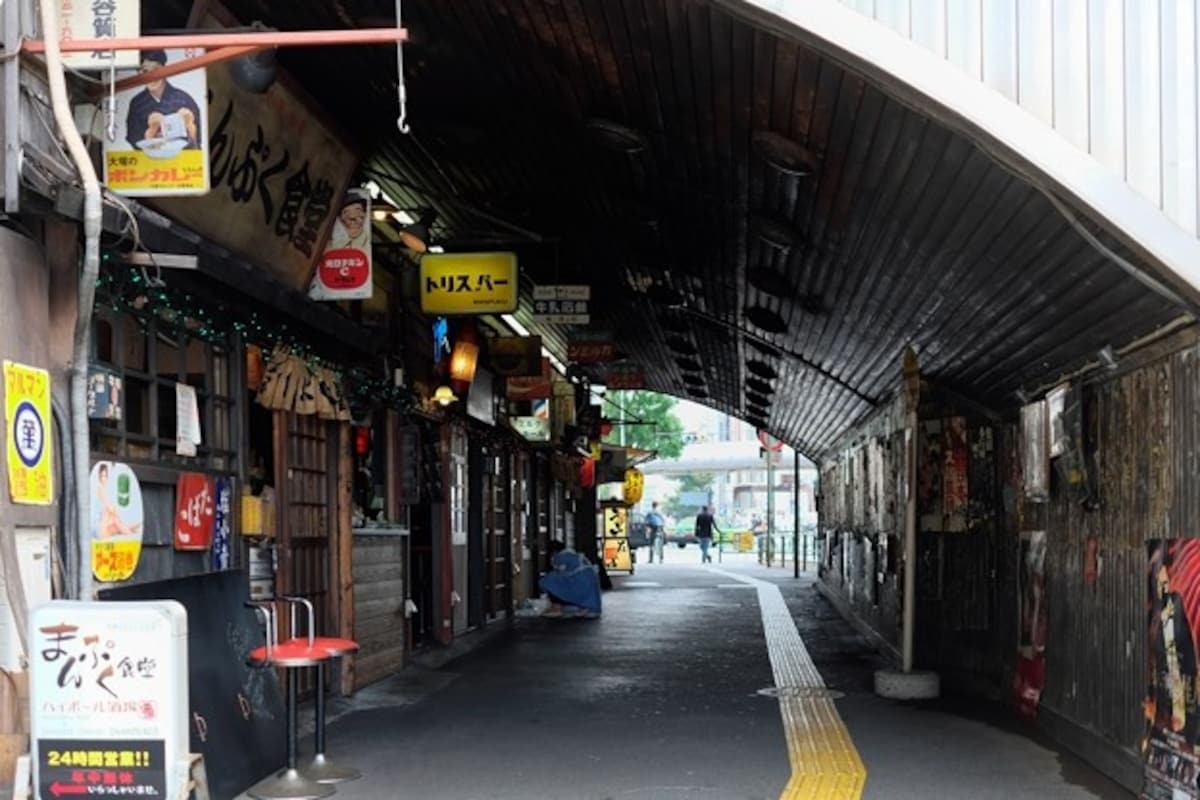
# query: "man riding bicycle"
654 524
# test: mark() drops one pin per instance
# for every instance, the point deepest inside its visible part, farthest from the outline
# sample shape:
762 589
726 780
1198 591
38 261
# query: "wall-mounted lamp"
1108 358
255 72
1022 396
416 237
444 396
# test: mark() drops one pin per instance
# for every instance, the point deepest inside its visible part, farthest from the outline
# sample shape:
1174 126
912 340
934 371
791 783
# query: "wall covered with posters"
1044 585
1124 480
862 522
963 574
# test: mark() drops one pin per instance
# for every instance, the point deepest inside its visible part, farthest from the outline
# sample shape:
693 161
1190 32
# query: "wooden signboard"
278 171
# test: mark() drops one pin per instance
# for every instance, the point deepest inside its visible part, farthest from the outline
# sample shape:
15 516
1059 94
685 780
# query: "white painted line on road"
736 586
641 584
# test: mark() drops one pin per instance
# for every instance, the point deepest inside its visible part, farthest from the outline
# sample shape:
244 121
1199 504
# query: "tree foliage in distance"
658 429
685 484
694 482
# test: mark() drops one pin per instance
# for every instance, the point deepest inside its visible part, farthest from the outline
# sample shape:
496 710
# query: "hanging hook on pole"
401 90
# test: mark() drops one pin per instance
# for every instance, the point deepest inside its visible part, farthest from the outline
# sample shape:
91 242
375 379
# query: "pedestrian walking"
705 525
655 525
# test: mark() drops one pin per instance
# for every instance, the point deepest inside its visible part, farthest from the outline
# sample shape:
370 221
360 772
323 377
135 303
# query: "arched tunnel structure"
946 251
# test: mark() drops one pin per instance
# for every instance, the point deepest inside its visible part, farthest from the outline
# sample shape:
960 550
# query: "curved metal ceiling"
734 197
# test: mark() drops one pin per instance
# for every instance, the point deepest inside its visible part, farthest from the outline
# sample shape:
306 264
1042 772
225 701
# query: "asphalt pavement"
669 695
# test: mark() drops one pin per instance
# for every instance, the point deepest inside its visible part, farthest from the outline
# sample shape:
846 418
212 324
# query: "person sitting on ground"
572 584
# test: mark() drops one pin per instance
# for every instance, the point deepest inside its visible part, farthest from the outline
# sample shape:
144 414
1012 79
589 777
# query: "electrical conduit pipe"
81 344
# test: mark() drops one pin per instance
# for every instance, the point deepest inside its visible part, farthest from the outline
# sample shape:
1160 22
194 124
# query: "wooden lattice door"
498 550
306 493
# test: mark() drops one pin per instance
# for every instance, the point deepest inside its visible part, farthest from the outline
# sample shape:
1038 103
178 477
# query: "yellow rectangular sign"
616 523
27 443
469 283
617 556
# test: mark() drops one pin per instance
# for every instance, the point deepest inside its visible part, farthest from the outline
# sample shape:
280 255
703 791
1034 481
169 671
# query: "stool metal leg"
321 769
290 784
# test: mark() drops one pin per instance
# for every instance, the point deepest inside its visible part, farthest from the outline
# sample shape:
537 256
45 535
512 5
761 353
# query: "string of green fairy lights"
135 292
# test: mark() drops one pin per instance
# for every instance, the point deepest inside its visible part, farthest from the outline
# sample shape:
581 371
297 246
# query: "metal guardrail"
779 549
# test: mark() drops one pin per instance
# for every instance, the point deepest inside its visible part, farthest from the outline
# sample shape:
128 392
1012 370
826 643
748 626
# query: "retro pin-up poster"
117 518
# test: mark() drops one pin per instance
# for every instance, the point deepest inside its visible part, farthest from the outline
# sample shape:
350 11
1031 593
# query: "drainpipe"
912 397
81 349
907 683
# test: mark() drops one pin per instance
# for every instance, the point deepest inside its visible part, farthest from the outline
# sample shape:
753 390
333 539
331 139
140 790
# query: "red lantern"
606 427
587 473
362 440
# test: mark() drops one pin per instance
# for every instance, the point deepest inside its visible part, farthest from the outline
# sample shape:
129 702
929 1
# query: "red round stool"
294 654
321 769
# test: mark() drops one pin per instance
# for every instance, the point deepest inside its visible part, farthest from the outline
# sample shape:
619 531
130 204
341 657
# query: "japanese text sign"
468 283
99 19
27 441
532 429
278 172
108 698
562 305
195 506
161 147
616 522
590 352
616 539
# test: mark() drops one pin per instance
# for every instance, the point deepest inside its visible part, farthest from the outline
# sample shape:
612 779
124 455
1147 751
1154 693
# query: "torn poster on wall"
1172 766
929 475
1031 649
954 474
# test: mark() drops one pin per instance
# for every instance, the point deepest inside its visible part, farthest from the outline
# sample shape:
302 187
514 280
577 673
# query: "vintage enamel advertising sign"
27 440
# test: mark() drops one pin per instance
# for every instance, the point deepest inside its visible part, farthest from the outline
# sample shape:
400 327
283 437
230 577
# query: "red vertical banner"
1172 708
195 504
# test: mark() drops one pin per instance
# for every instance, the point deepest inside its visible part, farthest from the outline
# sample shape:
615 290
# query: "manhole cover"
818 692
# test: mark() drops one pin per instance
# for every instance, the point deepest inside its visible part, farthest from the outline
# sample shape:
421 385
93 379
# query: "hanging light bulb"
444 396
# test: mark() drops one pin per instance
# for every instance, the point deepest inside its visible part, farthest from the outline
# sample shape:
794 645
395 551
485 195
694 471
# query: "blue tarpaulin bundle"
573 581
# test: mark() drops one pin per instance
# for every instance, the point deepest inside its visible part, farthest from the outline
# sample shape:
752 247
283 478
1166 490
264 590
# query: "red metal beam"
210 41
210 57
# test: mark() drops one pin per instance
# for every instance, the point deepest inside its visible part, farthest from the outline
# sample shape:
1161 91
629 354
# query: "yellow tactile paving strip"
825 763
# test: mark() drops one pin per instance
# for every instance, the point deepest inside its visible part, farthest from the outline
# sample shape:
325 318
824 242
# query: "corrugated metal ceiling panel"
629 132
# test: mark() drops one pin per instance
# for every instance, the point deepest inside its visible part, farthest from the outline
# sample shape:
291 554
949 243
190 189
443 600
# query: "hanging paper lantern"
587 473
631 492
